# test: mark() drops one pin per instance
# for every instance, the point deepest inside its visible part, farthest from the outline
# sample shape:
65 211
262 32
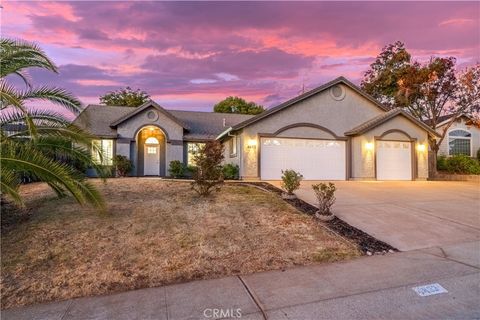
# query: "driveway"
409 214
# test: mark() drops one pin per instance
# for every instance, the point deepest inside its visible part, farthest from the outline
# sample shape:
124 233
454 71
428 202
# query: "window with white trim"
192 149
459 142
102 152
233 146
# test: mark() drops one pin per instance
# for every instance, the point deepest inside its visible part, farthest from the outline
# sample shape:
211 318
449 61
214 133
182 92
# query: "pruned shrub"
208 174
461 164
123 166
442 163
230 171
291 180
325 194
176 169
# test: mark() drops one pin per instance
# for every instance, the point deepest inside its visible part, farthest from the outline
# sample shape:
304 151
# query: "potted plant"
325 194
290 182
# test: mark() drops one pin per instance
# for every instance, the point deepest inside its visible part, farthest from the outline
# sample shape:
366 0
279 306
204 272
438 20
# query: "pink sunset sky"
191 55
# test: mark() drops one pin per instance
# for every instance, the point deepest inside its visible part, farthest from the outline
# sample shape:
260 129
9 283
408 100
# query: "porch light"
252 143
421 147
369 145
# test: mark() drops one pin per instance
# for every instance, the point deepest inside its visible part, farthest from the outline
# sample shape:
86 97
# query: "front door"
151 158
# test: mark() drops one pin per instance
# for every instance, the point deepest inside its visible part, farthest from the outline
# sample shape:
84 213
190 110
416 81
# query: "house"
333 132
462 137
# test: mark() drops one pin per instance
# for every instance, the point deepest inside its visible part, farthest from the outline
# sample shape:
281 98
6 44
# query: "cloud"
264 51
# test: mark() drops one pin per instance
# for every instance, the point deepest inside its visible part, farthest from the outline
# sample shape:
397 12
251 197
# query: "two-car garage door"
326 159
314 159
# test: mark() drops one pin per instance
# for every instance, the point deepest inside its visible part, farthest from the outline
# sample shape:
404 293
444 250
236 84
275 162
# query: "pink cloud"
196 52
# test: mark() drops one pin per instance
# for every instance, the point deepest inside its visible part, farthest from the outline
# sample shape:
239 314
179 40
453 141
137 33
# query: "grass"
154 233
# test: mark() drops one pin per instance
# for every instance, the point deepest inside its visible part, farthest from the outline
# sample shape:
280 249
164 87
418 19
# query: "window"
151 140
192 148
233 146
459 142
152 150
102 152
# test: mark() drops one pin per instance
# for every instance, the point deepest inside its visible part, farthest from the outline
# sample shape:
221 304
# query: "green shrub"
442 163
325 194
123 166
460 164
291 180
176 169
231 171
478 154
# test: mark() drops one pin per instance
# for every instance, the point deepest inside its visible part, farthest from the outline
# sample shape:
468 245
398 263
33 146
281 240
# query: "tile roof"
97 119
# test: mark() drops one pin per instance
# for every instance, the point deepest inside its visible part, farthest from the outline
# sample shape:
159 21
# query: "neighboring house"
462 137
333 132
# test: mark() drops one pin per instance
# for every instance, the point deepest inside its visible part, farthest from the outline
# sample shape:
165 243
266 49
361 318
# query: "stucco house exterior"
462 137
333 132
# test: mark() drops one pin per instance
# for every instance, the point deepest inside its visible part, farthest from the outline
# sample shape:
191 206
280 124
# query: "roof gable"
309 94
376 121
144 106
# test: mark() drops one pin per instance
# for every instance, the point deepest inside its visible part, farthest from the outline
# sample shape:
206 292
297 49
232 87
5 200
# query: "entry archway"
151 151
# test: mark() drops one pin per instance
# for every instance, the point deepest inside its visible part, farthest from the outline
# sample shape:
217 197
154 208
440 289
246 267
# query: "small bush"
459 164
176 169
291 180
478 154
442 163
230 171
207 174
123 166
325 194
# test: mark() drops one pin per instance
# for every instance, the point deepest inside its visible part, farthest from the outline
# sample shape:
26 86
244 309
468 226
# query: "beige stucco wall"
174 132
321 109
460 124
363 160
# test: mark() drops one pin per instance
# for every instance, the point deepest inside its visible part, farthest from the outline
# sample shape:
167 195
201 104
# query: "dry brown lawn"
154 233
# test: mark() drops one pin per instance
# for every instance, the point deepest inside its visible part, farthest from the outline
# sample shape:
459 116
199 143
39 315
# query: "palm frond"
9 97
16 55
9 184
54 95
16 156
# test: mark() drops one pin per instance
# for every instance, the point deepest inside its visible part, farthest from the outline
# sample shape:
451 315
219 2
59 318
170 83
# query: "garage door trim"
346 141
413 156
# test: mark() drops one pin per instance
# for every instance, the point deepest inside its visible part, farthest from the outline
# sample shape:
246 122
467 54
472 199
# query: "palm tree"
45 145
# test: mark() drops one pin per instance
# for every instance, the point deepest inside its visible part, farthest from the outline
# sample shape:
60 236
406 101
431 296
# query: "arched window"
151 140
459 142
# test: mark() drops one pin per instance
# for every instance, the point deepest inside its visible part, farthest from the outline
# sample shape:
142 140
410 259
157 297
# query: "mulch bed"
365 242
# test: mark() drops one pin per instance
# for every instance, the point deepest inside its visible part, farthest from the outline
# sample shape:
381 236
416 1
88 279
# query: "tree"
237 105
208 173
125 97
427 91
45 144
381 81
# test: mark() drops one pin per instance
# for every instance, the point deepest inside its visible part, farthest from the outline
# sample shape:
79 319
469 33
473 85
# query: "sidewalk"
369 287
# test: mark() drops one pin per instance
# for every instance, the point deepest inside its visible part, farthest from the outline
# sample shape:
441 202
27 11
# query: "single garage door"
314 159
394 160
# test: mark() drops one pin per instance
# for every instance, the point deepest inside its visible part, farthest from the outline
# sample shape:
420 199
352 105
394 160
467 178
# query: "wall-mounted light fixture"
421 147
369 145
252 144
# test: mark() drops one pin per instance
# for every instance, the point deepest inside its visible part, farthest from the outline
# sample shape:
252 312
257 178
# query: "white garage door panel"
314 159
394 160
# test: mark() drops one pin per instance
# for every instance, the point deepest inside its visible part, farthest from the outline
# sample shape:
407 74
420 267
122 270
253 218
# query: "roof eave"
308 95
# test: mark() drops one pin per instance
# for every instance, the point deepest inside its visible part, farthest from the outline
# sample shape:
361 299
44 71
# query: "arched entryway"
151 151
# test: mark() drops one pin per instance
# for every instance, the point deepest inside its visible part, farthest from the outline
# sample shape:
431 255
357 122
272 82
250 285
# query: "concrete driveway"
409 214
